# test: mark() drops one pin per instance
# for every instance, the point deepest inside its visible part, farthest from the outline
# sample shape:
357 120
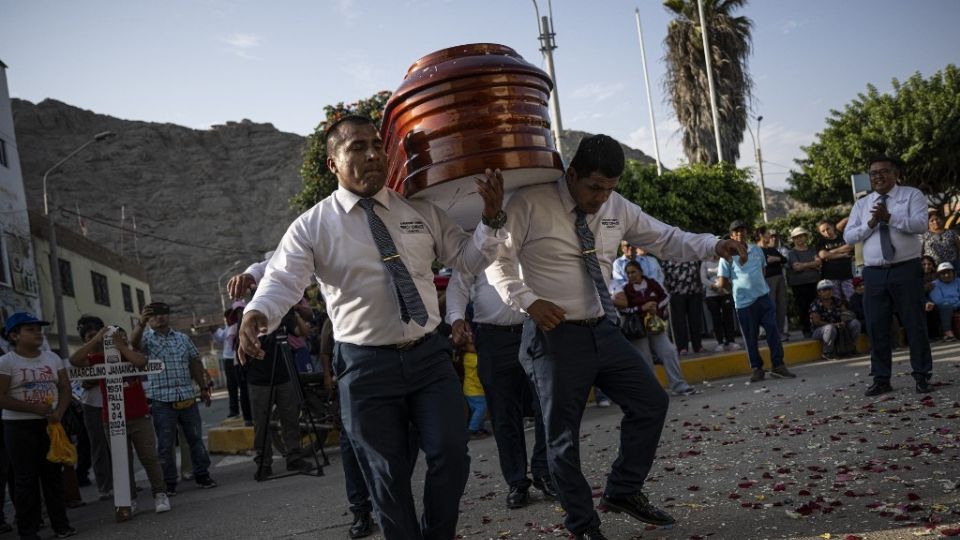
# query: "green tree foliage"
808 219
697 198
686 77
318 181
918 122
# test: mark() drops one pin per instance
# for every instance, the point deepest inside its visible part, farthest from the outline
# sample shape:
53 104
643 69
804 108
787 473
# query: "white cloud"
364 73
597 91
789 26
241 44
671 148
347 9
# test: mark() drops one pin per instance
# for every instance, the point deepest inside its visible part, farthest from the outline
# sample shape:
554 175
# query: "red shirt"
134 398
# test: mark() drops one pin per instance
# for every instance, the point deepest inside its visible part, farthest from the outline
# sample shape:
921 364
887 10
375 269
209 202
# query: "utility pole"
547 45
763 188
646 81
759 156
713 92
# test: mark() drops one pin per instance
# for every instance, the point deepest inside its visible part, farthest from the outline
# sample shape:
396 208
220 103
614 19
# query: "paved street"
804 458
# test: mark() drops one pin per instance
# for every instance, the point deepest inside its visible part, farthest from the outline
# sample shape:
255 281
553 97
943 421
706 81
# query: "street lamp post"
759 155
54 251
223 303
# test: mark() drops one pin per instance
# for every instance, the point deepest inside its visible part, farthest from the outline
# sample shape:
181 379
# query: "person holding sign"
140 433
34 393
171 393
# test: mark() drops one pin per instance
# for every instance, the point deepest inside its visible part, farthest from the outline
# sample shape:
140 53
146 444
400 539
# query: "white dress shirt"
543 239
488 307
332 240
257 270
908 220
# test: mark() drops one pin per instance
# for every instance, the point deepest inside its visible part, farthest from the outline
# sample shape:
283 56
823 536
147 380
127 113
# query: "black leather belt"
407 345
589 323
513 328
887 266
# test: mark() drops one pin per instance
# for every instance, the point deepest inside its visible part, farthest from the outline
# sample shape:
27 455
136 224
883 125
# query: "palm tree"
686 78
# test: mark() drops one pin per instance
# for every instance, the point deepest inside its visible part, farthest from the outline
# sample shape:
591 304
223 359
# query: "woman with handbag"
34 394
644 304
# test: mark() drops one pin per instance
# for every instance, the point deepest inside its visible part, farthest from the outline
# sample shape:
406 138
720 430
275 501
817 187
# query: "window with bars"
66 278
101 292
127 297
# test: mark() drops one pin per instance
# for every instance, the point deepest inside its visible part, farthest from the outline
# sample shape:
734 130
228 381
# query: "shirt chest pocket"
417 252
610 235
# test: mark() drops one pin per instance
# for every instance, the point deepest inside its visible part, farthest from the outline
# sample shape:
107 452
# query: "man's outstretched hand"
239 285
253 326
726 249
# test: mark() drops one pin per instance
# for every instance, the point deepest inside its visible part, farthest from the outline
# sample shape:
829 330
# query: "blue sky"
204 62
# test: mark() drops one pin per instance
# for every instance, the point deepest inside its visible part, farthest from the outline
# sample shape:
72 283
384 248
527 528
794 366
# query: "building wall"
19 282
85 257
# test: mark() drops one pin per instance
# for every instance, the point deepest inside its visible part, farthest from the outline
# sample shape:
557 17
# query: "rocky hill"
202 199
215 196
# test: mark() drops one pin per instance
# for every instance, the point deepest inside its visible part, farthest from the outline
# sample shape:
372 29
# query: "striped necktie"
886 244
411 305
589 251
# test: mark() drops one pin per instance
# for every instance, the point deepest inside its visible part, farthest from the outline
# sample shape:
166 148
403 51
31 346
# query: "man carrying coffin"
372 251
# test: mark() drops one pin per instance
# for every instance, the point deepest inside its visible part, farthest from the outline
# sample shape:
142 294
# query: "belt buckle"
406 345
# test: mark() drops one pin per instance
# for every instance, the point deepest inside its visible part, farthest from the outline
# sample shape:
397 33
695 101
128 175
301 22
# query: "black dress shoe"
592 534
877 388
638 506
924 386
545 484
518 497
362 525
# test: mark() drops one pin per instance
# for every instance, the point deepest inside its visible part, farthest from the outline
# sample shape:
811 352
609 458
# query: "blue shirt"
176 351
946 293
748 281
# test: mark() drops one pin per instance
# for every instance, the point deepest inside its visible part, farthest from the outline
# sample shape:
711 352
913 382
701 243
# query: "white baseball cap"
944 267
824 284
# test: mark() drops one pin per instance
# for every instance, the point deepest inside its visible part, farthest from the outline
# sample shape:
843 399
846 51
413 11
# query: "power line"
155 236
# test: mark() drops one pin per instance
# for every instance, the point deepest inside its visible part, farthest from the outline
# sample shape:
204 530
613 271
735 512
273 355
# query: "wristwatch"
497 222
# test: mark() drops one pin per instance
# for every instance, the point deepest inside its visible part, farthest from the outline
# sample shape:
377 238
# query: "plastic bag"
61 449
654 324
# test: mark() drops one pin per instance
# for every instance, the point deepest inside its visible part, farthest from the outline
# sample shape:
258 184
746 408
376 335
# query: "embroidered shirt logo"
413 227
610 223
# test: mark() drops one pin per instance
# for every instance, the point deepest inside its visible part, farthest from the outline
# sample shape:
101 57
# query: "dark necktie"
589 251
411 305
886 245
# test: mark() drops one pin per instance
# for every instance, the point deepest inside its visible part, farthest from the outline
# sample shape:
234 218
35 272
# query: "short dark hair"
333 136
877 158
827 221
598 153
89 323
633 264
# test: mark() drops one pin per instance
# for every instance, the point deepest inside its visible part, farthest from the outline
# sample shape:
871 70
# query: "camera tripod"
282 354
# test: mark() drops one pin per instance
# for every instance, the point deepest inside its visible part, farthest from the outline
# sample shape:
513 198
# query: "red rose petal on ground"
852 537
693 488
747 484
913 497
779 486
950 532
733 496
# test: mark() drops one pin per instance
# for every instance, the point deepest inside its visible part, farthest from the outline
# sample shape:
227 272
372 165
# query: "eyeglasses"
879 172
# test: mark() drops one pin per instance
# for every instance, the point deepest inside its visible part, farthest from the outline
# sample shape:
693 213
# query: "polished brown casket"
460 111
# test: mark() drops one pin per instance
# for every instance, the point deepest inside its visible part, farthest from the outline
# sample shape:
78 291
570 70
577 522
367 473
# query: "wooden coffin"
460 111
